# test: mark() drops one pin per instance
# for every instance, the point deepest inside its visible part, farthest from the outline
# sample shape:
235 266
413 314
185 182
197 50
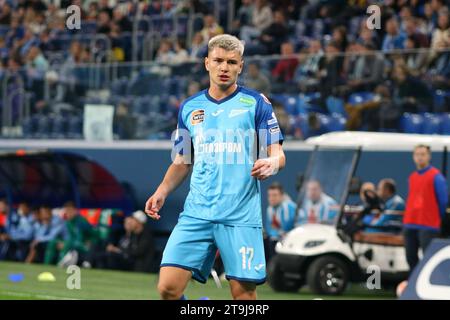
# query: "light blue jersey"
222 212
227 136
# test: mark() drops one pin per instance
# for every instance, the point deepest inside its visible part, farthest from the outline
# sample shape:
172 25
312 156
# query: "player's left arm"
270 138
264 168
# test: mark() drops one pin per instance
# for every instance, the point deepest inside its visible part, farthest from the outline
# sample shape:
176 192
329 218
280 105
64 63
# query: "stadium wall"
140 166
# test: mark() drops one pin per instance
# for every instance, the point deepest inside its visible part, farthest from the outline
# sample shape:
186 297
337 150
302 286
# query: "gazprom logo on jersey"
223 146
219 147
430 280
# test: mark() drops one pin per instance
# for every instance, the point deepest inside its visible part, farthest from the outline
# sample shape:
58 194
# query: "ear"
242 66
206 63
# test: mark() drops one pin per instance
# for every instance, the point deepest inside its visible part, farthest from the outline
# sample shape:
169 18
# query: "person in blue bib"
230 138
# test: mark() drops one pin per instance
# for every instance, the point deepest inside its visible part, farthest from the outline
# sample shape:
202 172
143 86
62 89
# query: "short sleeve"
267 126
182 140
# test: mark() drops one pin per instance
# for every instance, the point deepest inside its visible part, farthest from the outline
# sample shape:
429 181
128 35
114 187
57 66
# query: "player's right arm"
175 175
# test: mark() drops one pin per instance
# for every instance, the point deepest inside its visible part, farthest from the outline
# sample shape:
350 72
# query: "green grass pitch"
103 284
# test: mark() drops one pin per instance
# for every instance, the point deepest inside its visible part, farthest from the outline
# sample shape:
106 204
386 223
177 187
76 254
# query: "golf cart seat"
379 238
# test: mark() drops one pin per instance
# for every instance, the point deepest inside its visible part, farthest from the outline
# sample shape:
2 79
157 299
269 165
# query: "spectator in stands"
311 62
124 122
74 241
180 53
285 68
4 51
165 54
5 14
210 28
425 207
256 80
364 68
243 16
393 38
410 93
280 216
103 22
393 208
367 35
412 31
261 19
331 72
274 35
4 211
47 227
442 32
36 63
376 113
413 60
317 207
429 21
339 37
92 12
122 20
19 230
198 48
438 69
105 7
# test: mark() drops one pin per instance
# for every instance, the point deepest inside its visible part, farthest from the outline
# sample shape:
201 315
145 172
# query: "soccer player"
236 141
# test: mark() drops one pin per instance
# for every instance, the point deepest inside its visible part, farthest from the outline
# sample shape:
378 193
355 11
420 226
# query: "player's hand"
263 168
154 204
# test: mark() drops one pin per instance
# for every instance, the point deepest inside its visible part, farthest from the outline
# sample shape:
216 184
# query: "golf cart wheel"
277 280
328 275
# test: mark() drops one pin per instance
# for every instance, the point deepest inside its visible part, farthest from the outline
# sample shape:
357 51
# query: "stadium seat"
59 126
336 105
338 122
29 126
445 123
44 124
360 97
75 127
412 123
431 123
440 99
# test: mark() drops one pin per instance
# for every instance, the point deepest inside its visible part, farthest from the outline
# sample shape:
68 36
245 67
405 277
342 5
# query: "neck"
219 93
421 167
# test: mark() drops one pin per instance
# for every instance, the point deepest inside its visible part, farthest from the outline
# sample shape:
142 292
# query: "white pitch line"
41 296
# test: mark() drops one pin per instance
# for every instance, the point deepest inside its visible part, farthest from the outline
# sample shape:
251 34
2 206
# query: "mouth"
224 78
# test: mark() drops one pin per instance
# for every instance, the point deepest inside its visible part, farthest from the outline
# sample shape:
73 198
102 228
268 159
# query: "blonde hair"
226 42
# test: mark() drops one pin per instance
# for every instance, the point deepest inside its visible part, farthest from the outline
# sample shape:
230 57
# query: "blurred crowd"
320 46
66 237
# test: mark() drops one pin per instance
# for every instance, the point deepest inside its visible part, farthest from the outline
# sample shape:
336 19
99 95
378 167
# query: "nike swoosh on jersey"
215 114
259 267
236 112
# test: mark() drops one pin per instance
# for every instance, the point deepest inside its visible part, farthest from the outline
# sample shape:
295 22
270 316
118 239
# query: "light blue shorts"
193 245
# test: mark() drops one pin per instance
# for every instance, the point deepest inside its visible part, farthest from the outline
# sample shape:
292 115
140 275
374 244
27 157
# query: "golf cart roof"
372 141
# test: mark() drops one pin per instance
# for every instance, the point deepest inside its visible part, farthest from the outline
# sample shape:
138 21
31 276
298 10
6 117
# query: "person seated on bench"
377 221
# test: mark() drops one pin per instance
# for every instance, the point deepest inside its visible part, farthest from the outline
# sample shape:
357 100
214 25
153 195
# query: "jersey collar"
223 99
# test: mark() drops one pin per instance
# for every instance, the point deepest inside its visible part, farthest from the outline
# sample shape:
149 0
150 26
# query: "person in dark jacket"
134 250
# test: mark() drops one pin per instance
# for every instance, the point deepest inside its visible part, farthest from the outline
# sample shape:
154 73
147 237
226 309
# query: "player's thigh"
191 247
242 252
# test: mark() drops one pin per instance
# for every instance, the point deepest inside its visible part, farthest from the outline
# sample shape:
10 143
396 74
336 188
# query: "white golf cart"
327 257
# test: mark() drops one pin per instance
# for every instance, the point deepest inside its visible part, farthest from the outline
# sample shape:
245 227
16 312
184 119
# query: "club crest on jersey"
198 116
